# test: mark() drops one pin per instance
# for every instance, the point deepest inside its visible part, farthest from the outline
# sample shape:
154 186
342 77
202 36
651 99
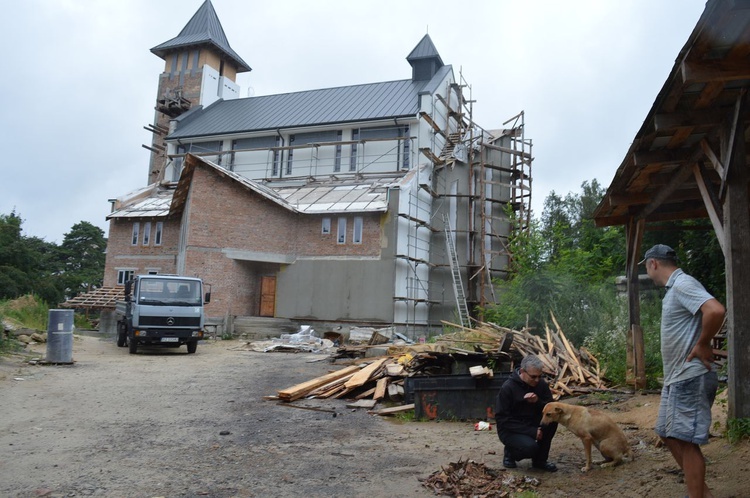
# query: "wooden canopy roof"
674 169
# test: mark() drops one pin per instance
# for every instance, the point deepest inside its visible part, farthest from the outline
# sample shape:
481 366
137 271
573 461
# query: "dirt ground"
167 424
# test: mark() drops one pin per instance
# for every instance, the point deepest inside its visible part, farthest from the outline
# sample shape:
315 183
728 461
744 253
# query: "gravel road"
165 423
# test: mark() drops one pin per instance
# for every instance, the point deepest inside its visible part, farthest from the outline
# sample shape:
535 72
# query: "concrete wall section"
336 290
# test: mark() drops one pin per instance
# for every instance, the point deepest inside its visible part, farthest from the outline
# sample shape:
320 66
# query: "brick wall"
122 254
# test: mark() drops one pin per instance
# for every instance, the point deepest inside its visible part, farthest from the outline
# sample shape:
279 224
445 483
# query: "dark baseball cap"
660 251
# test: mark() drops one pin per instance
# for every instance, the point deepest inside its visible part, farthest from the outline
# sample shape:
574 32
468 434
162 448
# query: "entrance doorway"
267 296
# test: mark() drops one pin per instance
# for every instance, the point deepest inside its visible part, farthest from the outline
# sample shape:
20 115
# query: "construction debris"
568 371
483 350
469 478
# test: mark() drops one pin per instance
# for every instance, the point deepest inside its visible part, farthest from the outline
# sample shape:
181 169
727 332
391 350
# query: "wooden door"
267 296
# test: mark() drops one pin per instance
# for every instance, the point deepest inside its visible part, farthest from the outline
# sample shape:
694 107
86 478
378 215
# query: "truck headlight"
198 333
140 333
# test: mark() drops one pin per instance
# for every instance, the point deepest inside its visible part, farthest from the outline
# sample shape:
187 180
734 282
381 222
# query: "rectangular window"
290 156
357 235
405 164
146 233
124 275
341 235
337 157
326 228
277 156
353 157
159 231
136 231
253 143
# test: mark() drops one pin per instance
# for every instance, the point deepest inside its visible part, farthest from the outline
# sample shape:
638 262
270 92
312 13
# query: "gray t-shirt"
681 321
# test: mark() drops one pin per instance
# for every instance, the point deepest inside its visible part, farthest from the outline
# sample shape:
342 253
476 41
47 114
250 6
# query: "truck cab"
161 310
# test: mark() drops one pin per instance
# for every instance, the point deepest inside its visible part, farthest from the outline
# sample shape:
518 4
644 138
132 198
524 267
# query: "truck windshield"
169 291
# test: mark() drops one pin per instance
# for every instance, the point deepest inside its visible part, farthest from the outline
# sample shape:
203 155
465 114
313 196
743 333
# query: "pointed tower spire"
204 28
199 68
424 59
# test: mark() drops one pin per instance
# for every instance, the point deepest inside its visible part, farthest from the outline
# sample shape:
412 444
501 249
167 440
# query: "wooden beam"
431 122
644 198
714 71
665 156
678 179
673 120
715 161
711 201
734 136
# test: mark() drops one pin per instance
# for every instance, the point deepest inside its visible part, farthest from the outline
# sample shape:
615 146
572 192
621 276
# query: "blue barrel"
60 336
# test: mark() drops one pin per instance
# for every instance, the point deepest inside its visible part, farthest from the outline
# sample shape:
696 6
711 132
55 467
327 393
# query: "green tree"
82 256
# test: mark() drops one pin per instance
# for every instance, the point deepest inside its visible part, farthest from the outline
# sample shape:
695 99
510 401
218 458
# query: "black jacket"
512 413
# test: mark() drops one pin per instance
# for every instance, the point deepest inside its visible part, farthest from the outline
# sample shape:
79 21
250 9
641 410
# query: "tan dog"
593 427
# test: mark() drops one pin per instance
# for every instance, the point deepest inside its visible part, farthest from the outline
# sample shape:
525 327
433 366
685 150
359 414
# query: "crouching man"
518 414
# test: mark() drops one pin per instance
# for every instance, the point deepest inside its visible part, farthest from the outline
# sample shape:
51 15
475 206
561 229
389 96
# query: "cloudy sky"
80 81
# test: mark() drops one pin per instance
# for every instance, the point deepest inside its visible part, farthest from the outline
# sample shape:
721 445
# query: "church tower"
200 68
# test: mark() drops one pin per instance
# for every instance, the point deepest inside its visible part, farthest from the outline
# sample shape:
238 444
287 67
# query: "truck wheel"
192 346
122 338
132 345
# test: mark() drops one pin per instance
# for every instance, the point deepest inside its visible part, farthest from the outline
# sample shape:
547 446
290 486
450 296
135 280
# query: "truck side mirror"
128 289
207 299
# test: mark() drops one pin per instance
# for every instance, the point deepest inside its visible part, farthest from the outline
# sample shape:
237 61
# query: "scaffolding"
476 221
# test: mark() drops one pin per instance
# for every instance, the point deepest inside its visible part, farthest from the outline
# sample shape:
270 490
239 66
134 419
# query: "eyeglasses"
533 377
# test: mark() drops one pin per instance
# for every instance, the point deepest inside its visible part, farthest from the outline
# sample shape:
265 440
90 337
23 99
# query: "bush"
609 344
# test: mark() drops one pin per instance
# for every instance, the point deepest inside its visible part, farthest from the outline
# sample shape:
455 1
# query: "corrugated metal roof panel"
151 207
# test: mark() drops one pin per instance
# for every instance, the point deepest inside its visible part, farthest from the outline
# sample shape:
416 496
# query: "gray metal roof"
425 49
203 28
391 99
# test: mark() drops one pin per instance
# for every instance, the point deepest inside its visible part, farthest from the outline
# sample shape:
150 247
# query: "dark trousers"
521 446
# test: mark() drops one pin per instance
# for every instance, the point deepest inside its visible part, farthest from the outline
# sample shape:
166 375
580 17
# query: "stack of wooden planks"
382 378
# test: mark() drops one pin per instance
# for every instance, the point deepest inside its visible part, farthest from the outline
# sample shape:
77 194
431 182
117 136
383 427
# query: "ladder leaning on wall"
458 286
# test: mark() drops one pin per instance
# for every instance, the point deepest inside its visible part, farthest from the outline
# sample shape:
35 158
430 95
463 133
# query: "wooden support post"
737 242
636 363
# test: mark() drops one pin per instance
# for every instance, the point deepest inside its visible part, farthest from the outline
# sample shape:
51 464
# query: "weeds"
738 429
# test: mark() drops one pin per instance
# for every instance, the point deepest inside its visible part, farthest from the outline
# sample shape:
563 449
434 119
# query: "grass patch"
27 311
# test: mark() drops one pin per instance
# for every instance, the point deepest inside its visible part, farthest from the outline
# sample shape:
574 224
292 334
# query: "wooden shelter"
690 160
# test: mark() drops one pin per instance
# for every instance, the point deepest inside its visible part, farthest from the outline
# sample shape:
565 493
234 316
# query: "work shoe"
509 463
547 466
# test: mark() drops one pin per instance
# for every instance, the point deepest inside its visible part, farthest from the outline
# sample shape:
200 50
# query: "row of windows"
146 240
388 132
341 229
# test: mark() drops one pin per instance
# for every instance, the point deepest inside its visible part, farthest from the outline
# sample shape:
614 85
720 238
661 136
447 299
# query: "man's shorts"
685 408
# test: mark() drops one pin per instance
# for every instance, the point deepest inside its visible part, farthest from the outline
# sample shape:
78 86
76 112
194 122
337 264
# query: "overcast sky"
80 81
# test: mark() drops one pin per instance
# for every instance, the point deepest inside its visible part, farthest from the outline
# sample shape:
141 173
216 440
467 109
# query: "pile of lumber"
569 371
368 383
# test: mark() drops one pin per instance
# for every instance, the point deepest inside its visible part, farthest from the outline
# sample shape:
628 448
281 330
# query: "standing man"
518 414
690 318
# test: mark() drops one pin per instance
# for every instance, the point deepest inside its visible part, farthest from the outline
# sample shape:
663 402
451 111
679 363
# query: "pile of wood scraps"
569 371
